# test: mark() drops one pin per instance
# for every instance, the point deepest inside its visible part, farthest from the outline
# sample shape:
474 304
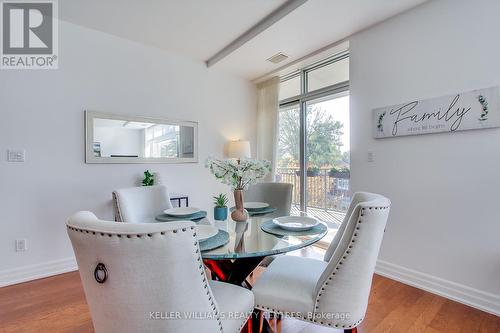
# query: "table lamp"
238 149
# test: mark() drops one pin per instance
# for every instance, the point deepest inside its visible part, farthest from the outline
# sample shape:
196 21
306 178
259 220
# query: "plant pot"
239 214
310 173
220 213
340 174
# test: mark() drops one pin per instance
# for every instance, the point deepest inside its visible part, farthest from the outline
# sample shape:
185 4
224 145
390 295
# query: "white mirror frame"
89 140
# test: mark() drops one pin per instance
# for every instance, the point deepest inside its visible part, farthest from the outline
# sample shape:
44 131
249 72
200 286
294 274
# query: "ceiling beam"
262 25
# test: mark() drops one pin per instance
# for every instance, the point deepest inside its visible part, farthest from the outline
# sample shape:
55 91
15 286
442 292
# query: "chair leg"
351 330
261 321
250 325
248 284
257 318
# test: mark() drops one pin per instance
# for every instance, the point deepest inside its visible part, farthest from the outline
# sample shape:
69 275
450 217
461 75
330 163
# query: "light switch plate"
16 155
371 156
21 245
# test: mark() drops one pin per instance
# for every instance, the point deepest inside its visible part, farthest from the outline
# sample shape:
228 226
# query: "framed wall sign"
464 111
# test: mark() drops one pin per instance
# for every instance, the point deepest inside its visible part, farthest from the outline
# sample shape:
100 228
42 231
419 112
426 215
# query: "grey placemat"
272 228
222 238
267 210
168 218
264 211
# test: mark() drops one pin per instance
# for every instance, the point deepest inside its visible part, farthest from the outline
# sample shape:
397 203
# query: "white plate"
255 205
295 223
205 231
182 211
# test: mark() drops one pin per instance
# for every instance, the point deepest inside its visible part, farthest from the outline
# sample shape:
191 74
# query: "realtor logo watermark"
29 34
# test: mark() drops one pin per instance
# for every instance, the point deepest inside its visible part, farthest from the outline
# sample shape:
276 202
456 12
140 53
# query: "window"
313 146
328 75
289 87
162 141
327 152
288 156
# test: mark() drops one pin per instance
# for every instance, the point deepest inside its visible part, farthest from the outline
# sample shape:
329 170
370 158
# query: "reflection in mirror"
139 140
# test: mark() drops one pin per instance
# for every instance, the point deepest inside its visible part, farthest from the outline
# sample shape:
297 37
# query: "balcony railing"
325 190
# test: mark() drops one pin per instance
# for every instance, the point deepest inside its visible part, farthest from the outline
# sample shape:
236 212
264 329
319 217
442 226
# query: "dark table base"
233 271
236 272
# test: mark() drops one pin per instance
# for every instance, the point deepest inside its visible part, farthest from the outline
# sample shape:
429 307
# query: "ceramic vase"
239 214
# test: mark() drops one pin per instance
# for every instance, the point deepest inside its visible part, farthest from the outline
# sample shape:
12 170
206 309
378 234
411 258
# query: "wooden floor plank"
57 305
489 323
430 308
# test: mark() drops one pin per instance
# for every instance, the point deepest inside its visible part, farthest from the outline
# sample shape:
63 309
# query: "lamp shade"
238 149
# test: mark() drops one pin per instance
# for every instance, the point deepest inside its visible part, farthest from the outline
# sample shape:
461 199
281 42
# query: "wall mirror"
114 138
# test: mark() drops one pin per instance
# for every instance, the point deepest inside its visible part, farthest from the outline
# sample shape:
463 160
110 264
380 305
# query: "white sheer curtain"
267 122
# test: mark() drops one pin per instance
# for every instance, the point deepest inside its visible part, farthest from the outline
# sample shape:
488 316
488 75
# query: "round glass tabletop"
248 240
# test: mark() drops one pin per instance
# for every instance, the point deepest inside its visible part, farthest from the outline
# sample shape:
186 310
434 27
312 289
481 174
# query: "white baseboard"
38 271
481 300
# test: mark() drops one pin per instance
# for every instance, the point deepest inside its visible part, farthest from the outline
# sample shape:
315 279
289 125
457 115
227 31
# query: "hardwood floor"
57 304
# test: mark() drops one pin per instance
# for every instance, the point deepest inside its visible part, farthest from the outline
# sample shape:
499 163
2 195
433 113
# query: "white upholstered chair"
331 292
138 204
149 274
278 195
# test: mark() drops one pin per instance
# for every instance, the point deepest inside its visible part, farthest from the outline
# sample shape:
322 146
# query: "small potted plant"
343 173
220 209
311 172
148 179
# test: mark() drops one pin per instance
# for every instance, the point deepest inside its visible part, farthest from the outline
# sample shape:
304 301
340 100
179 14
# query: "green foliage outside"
323 141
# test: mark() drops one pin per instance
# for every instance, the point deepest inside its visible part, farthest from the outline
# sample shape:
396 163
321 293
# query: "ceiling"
198 29
193 28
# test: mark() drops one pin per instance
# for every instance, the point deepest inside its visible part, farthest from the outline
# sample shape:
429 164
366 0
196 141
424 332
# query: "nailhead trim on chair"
205 283
197 251
347 252
344 257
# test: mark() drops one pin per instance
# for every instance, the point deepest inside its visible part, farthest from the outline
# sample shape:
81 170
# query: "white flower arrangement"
238 174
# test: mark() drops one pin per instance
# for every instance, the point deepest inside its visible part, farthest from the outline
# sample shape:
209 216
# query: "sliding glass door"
288 157
313 145
327 156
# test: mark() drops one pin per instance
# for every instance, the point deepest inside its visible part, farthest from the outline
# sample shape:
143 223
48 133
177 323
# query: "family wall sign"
465 111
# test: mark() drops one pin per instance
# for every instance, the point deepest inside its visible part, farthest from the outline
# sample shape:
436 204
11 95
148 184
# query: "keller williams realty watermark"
29 34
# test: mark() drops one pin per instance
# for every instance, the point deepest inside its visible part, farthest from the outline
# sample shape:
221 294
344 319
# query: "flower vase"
239 214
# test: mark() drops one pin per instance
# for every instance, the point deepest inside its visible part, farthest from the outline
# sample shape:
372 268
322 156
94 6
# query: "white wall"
444 228
42 112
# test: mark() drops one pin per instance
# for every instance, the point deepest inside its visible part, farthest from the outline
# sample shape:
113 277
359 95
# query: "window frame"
302 99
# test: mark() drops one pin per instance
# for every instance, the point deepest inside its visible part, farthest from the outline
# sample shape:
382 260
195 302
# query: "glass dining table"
247 246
